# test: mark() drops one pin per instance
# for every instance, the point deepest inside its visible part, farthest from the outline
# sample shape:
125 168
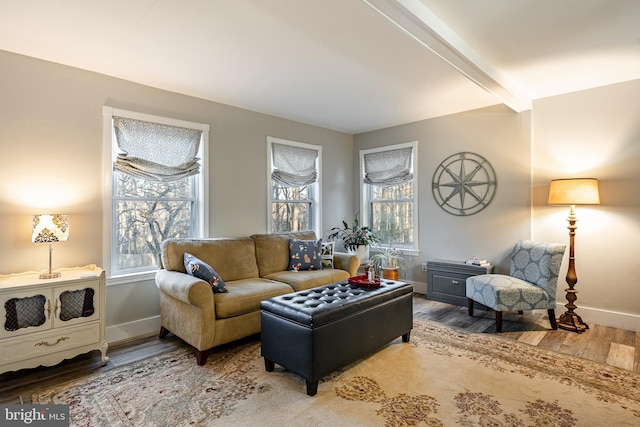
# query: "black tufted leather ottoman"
315 332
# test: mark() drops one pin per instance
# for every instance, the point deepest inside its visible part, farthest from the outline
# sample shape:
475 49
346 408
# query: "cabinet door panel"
77 303
25 312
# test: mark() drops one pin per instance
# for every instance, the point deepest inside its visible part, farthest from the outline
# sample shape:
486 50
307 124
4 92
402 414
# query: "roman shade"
387 168
154 151
294 166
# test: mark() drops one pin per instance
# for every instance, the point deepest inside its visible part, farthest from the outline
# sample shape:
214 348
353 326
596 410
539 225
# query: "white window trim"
109 156
316 194
364 200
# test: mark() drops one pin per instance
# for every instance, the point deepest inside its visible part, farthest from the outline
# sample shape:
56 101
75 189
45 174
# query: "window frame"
315 192
110 151
365 192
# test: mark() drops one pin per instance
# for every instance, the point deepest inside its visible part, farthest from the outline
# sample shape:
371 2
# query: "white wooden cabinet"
44 321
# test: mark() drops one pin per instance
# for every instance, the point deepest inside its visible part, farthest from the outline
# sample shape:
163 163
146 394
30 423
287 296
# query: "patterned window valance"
386 168
294 166
155 151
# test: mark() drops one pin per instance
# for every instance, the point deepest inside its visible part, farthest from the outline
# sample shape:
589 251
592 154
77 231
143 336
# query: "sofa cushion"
233 259
244 296
301 280
200 269
272 250
305 254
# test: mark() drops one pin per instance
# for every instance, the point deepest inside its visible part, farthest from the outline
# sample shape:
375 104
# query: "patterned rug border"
564 368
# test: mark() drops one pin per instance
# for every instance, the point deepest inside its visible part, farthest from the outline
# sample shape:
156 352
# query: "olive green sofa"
253 268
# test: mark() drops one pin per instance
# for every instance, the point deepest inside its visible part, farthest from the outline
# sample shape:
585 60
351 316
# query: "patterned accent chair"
531 283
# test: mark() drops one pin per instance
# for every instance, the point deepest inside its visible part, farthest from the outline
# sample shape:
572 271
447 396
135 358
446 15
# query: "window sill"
408 252
126 279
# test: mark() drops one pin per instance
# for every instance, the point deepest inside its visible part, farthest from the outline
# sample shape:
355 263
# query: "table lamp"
49 229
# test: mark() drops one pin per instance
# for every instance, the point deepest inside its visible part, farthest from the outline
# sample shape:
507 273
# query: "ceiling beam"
418 22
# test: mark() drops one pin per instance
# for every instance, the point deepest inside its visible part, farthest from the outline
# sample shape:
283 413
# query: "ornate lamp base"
50 275
570 321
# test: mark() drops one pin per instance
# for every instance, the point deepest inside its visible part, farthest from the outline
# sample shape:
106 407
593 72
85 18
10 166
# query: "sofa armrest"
347 262
184 287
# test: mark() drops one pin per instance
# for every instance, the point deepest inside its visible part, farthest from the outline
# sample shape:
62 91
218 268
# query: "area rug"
442 377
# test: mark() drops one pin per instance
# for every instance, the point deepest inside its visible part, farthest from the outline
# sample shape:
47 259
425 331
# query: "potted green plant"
388 260
355 238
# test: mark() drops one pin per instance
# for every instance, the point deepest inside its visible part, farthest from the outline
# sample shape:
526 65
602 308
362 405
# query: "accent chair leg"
163 332
498 321
406 337
552 319
470 306
201 356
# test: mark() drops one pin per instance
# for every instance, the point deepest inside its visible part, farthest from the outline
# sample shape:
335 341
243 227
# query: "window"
293 186
156 187
389 188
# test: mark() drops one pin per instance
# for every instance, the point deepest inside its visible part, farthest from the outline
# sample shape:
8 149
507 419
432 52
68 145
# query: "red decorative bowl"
363 282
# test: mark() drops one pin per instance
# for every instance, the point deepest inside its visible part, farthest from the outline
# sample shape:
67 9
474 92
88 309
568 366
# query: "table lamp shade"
50 228
574 191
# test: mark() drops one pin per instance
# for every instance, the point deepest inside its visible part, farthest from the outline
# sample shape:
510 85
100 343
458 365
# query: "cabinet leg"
103 353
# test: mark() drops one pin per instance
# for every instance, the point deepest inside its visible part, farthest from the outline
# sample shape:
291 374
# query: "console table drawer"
53 341
451 284
447 280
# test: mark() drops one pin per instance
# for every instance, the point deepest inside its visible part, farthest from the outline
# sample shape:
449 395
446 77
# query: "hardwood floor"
602 344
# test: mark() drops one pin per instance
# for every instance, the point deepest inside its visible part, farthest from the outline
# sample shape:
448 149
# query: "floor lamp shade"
49 229
573 191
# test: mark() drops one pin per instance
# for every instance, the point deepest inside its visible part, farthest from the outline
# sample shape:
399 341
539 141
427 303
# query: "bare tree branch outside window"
146 213
392 214
291 208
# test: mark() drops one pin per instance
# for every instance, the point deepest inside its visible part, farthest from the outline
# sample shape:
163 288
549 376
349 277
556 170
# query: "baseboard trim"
629 322
134 329
418 287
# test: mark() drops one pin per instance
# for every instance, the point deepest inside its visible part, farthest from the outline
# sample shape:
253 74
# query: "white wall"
503 138
51 142
594 133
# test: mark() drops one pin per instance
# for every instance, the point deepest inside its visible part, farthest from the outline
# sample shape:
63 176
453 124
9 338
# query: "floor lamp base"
572 322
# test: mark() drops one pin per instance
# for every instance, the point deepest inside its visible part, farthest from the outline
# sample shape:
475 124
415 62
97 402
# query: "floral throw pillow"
305 254
200 269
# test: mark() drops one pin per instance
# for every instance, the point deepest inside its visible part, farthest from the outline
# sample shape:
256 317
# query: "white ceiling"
348 65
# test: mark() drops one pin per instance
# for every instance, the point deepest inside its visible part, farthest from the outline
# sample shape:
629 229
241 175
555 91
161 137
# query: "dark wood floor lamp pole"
574 191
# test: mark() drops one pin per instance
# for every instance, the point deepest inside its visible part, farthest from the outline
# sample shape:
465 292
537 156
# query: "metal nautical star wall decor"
464 184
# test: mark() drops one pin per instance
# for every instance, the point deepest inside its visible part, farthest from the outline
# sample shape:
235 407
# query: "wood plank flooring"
603 344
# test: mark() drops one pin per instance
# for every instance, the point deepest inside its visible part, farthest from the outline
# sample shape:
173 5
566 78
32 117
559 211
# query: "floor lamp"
572 192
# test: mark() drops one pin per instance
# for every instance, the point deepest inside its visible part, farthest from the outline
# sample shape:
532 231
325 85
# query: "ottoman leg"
405 337
269 365
312 387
